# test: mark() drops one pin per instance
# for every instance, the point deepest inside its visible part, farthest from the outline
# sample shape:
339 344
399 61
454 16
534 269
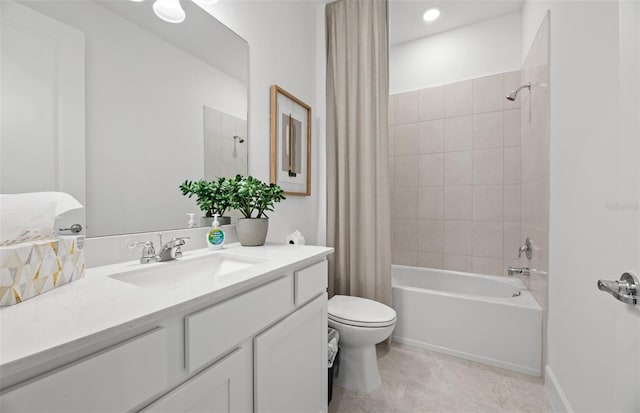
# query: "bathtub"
489 319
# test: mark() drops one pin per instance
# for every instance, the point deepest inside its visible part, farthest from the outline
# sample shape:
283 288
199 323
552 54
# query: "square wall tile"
405 139
487 167
511 127
431 169
430 260
457 262
512 203
405 108
512 165
400 257
535 202
488 130
457 237
431 202
458 99
405 171
512 240
430 236
405 203
488 203
431 103
458 133
431 136
488 239
488 93
485 265
458 203
458 168
404 234
511 83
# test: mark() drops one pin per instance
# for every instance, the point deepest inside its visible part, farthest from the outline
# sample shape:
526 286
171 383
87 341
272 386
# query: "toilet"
361 324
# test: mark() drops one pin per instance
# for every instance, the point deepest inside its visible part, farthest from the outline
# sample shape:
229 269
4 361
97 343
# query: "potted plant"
253 198
212 197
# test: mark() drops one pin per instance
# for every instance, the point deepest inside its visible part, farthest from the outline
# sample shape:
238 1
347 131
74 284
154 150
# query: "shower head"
237 138
513 95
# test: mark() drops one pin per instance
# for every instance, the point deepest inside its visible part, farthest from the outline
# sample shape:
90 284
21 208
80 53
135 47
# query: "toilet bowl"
361 323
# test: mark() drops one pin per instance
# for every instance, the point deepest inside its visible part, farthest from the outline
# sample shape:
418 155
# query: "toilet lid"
360 311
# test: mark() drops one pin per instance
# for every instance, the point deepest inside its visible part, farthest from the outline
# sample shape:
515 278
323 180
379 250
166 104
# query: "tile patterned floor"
418 380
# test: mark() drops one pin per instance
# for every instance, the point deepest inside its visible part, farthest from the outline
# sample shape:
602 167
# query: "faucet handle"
180 244
148 251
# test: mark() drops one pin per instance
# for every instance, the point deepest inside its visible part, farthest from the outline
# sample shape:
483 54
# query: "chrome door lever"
626 289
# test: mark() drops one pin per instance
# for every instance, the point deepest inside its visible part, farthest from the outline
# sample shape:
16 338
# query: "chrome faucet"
172 249
527 248
511 271
148 251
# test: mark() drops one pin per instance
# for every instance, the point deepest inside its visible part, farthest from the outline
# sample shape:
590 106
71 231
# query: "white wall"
282 47
481 49
593 208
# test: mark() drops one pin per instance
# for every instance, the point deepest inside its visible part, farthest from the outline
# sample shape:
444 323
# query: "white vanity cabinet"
262 348
116 379
224 387
291 362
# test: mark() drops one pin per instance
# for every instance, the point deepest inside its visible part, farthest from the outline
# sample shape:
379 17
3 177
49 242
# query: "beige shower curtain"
358 211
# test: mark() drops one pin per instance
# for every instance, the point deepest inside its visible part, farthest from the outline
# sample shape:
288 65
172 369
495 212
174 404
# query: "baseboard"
468 356
558 399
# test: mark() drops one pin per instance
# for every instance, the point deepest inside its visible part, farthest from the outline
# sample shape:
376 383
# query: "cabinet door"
291 362
224 387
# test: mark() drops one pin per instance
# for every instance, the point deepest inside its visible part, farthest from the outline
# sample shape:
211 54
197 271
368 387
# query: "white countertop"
98 307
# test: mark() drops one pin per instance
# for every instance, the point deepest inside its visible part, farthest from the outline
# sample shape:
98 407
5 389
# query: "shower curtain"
358 204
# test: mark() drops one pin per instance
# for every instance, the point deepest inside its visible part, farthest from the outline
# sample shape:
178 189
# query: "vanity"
245 331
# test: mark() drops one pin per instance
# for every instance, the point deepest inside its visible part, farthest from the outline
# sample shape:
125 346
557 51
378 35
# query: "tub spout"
518 271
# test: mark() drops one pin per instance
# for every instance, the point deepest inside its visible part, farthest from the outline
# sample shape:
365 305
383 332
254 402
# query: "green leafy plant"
252 197
212 197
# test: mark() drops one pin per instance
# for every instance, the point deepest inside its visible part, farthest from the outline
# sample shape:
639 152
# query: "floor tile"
418 380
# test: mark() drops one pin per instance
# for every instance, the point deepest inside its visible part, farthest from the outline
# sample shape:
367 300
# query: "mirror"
142 95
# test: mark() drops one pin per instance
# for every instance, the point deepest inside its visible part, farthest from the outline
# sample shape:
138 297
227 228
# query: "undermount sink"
171 275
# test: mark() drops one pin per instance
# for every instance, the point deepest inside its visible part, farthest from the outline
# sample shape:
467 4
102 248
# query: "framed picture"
290 142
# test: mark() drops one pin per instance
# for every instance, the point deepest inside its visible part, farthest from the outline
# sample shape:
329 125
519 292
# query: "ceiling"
406 23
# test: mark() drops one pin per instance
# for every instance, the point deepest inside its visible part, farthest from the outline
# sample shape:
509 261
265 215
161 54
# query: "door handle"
75 228
626 289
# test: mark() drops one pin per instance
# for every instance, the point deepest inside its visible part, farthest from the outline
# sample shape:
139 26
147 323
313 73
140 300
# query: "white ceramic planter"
252 231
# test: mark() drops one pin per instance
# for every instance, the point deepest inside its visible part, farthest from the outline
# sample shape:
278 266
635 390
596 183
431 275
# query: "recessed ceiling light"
431 14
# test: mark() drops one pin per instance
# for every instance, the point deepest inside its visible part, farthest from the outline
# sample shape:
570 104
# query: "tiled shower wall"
455 160
535 166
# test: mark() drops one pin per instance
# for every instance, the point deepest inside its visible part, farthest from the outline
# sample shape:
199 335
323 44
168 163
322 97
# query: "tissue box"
32 268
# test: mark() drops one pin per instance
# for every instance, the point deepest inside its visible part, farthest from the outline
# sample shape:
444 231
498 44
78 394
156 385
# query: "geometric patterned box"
32 268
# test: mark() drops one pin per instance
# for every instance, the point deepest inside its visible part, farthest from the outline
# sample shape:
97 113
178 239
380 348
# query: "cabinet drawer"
214 330
310 282
116 379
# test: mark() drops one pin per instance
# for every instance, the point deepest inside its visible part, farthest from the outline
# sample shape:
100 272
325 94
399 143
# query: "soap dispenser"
215 236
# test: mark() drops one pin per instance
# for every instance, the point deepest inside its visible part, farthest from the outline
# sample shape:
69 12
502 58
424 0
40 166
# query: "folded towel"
31 216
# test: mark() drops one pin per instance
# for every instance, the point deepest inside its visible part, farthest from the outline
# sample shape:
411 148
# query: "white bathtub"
489 319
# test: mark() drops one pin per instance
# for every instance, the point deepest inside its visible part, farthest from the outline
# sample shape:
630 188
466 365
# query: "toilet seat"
360 312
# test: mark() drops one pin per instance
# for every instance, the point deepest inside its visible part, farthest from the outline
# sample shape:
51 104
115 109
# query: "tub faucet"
511 271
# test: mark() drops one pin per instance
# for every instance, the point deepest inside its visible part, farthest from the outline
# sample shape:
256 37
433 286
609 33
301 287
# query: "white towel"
31 216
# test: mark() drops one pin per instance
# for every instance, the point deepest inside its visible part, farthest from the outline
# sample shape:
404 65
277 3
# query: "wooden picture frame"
290 142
